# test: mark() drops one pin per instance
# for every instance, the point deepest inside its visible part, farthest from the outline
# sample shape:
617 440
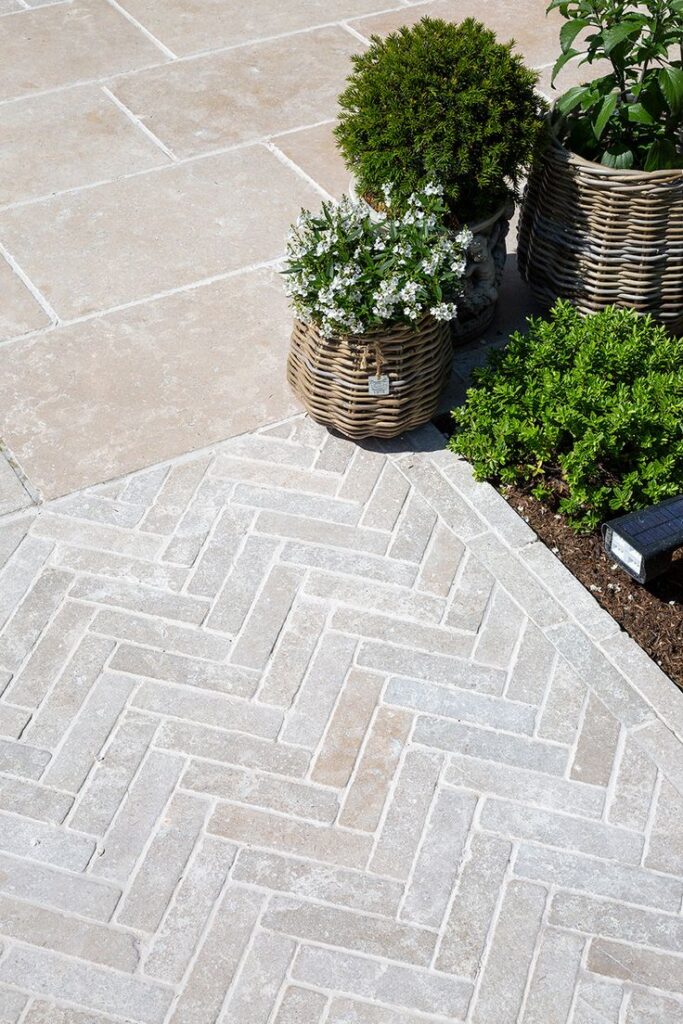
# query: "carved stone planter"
485 266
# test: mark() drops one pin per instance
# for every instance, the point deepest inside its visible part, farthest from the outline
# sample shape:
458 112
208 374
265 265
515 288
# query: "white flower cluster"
350 273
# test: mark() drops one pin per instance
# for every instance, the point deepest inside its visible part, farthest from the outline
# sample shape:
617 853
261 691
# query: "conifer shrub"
441 102
585 412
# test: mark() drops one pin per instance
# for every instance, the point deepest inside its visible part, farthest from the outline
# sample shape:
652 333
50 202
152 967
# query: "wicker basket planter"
373 385
485 266
600 237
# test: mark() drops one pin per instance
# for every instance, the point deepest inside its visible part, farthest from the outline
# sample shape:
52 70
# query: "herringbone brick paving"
299 732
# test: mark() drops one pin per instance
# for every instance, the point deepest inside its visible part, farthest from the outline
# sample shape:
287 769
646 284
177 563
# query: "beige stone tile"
84 138
19 311
12 495
64 43
243 94
198 25
315 151
139 236
92 401
525 21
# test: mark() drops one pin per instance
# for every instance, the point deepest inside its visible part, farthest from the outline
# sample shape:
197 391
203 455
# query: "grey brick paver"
314 753
599 878
525 786
464 938
49 844
331 884
510 955
260 828
346 930
63 890
633 963
175 668
408 810
62 933
193 901
104 791
219 957
636 776
163 864
553 981
390 983
596 748
260 979
562 830
70 767
85 984
437 863
301 1006
138 815
12 1004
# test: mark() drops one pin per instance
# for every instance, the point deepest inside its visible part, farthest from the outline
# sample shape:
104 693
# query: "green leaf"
671 83
611 37
570 31
636 112
571 98
560 63
661 155
606 110
619 155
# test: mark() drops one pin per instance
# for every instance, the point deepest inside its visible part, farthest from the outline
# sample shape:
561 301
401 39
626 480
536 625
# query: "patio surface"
292 731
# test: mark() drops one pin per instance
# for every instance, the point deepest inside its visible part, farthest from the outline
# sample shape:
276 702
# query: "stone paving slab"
153 155
298 732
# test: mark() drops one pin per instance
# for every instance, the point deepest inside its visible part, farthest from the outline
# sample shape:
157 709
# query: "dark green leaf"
619 155
560 63
611 37
571 98
637 113
661 155
606 110
570 31
671 83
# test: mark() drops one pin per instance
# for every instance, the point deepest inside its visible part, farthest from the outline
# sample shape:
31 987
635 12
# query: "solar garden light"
643 542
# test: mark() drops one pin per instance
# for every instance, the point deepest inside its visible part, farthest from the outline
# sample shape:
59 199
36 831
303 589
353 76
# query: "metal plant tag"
378 385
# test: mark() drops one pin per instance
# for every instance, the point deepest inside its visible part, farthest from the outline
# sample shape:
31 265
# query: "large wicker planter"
484 273
340 381
600 237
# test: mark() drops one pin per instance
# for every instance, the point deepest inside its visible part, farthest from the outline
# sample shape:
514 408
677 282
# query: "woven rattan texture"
331 377
599 236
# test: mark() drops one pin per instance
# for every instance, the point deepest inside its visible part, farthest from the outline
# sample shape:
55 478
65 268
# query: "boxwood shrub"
585 412
440 102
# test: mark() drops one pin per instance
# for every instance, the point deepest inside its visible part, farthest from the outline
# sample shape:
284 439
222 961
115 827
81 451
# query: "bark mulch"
651 614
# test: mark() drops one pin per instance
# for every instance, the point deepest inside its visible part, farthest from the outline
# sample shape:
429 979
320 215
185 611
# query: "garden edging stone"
645 686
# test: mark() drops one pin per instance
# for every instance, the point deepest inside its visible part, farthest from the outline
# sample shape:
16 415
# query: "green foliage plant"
632 116
445 102
349 271
587 414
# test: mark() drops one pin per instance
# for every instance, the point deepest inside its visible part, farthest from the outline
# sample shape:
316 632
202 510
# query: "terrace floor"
292 731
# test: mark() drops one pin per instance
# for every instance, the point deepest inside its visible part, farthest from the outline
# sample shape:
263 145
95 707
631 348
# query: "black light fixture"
643 542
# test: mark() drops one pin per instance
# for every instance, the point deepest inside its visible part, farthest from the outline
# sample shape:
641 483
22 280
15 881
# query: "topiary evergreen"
445 102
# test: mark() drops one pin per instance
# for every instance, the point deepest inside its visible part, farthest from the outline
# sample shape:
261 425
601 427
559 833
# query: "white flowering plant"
350 270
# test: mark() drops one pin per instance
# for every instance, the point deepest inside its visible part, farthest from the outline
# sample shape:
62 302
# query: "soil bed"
651 614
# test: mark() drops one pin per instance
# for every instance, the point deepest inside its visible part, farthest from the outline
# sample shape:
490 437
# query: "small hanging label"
378 385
